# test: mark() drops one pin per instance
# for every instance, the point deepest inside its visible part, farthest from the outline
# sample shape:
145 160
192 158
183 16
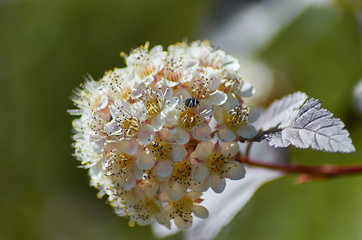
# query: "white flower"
181 211
145 131
233 119
161 152
190 117
214 163
127 119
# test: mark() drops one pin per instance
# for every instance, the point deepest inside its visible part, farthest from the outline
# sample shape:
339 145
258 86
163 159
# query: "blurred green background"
47 46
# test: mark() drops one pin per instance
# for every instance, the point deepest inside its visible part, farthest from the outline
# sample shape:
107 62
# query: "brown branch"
322 171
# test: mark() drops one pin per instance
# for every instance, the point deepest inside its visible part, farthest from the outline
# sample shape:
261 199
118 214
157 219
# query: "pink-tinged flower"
120 164
210 57
181 211
213 163
127 120
232 83
190 117
234 119
147 63
161 151
178 68
205 85
158 103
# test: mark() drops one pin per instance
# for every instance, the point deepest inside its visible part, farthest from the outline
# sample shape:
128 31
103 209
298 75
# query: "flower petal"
145 160
203 150
175 192
98 145
254 114
219 114
178 152
235 170
226 134
146 134
202 132
230 149
200 172
156 123
247 131
217 184
217 98
180 135
164 168
200 211
181 224
128 146
246 90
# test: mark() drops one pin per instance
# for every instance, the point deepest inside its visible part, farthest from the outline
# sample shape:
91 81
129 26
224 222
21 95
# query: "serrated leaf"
281 112
316 128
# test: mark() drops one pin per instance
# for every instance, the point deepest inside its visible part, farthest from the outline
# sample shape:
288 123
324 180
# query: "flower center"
160 148
147 70
183 208
236 117
125 92
154 105
227 84
200 93
130 126
217 162
188 120
121 164
182 172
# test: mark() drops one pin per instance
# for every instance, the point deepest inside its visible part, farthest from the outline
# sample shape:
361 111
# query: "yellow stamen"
188 120
160 148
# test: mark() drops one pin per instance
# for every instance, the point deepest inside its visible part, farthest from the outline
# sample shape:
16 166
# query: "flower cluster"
158 133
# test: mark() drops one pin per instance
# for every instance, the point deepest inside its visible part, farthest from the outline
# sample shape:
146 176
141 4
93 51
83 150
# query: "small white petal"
230 149
202 132
137 172
203 150
164 168
182 94
98 145
247 90
199 187
146 134
128 146
164 217
156 123
219 114
254 114
178 152
168 93
111 127
180 135
193 195
143 221
129 184
181 224
145 160
175 192
230 103
170 119
235 170
166 134
247 131
217 98
226 134
217 183
200 211
200 172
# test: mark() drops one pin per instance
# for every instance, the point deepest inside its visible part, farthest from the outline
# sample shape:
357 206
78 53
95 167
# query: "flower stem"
325 170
